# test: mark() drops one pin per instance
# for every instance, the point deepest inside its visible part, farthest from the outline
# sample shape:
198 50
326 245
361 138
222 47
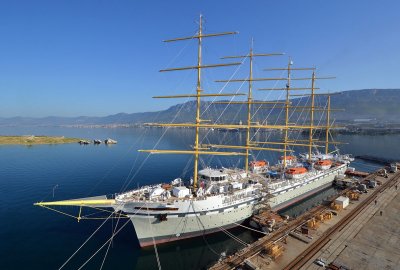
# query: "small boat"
97 141
85 142
110 141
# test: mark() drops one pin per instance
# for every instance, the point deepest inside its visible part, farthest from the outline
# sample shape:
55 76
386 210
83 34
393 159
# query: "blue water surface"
35 238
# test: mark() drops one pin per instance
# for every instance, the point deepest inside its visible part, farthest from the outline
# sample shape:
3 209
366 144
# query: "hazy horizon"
157 110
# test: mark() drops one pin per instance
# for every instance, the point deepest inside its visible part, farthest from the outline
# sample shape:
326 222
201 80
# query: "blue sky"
71 58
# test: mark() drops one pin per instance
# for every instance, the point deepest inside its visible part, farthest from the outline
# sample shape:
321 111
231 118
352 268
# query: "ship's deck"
138 195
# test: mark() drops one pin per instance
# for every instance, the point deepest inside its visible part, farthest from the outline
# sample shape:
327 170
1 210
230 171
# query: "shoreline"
345 130
35 140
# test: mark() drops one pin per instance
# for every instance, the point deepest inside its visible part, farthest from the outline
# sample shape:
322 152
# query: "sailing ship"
216 199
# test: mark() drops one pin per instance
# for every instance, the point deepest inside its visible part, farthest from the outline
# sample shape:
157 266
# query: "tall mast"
197 148
198 124
198 92
327 125
249 101
249 145
310 138
285 142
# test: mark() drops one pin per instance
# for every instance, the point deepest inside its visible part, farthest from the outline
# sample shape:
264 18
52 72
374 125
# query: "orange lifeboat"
288 158
295 173
258 166
323 164
258 163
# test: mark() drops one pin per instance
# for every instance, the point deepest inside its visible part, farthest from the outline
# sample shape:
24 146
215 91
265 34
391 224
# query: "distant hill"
379 104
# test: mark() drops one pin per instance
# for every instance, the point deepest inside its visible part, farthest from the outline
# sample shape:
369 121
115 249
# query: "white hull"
150 228
322 167
191 217
295 176
293 194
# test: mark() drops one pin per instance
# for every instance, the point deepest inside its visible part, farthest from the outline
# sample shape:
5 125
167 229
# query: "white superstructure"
290 191
224 199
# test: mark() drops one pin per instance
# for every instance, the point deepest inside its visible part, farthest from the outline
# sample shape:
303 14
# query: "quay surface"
357 237
369 241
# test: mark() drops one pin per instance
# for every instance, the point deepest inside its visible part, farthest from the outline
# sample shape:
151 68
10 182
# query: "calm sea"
35 238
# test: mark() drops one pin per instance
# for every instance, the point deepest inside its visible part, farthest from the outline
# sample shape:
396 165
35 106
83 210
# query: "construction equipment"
354 196
274 250
312 223
328 215
336 207
320 217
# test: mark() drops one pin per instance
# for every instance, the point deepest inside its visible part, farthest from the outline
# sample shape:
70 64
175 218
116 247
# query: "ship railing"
237 197
129 197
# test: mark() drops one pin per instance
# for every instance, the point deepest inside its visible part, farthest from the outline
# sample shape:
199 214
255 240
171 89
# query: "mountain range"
380 105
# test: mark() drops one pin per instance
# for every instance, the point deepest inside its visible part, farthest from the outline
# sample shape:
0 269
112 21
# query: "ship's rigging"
205 149
234 192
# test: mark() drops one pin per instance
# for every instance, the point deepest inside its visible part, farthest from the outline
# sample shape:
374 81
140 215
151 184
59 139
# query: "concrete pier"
365 235
370 241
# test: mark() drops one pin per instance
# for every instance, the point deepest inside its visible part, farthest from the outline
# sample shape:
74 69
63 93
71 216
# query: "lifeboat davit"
289 160
296 173
324 164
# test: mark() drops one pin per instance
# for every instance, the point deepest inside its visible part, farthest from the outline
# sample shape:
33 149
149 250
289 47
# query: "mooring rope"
87 240
154 242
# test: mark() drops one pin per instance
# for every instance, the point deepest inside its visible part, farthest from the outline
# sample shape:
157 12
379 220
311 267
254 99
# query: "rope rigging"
84 243
237 239
87 240
91 257
154 242
109 244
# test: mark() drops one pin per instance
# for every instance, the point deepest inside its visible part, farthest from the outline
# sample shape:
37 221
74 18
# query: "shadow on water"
196 253
303 206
